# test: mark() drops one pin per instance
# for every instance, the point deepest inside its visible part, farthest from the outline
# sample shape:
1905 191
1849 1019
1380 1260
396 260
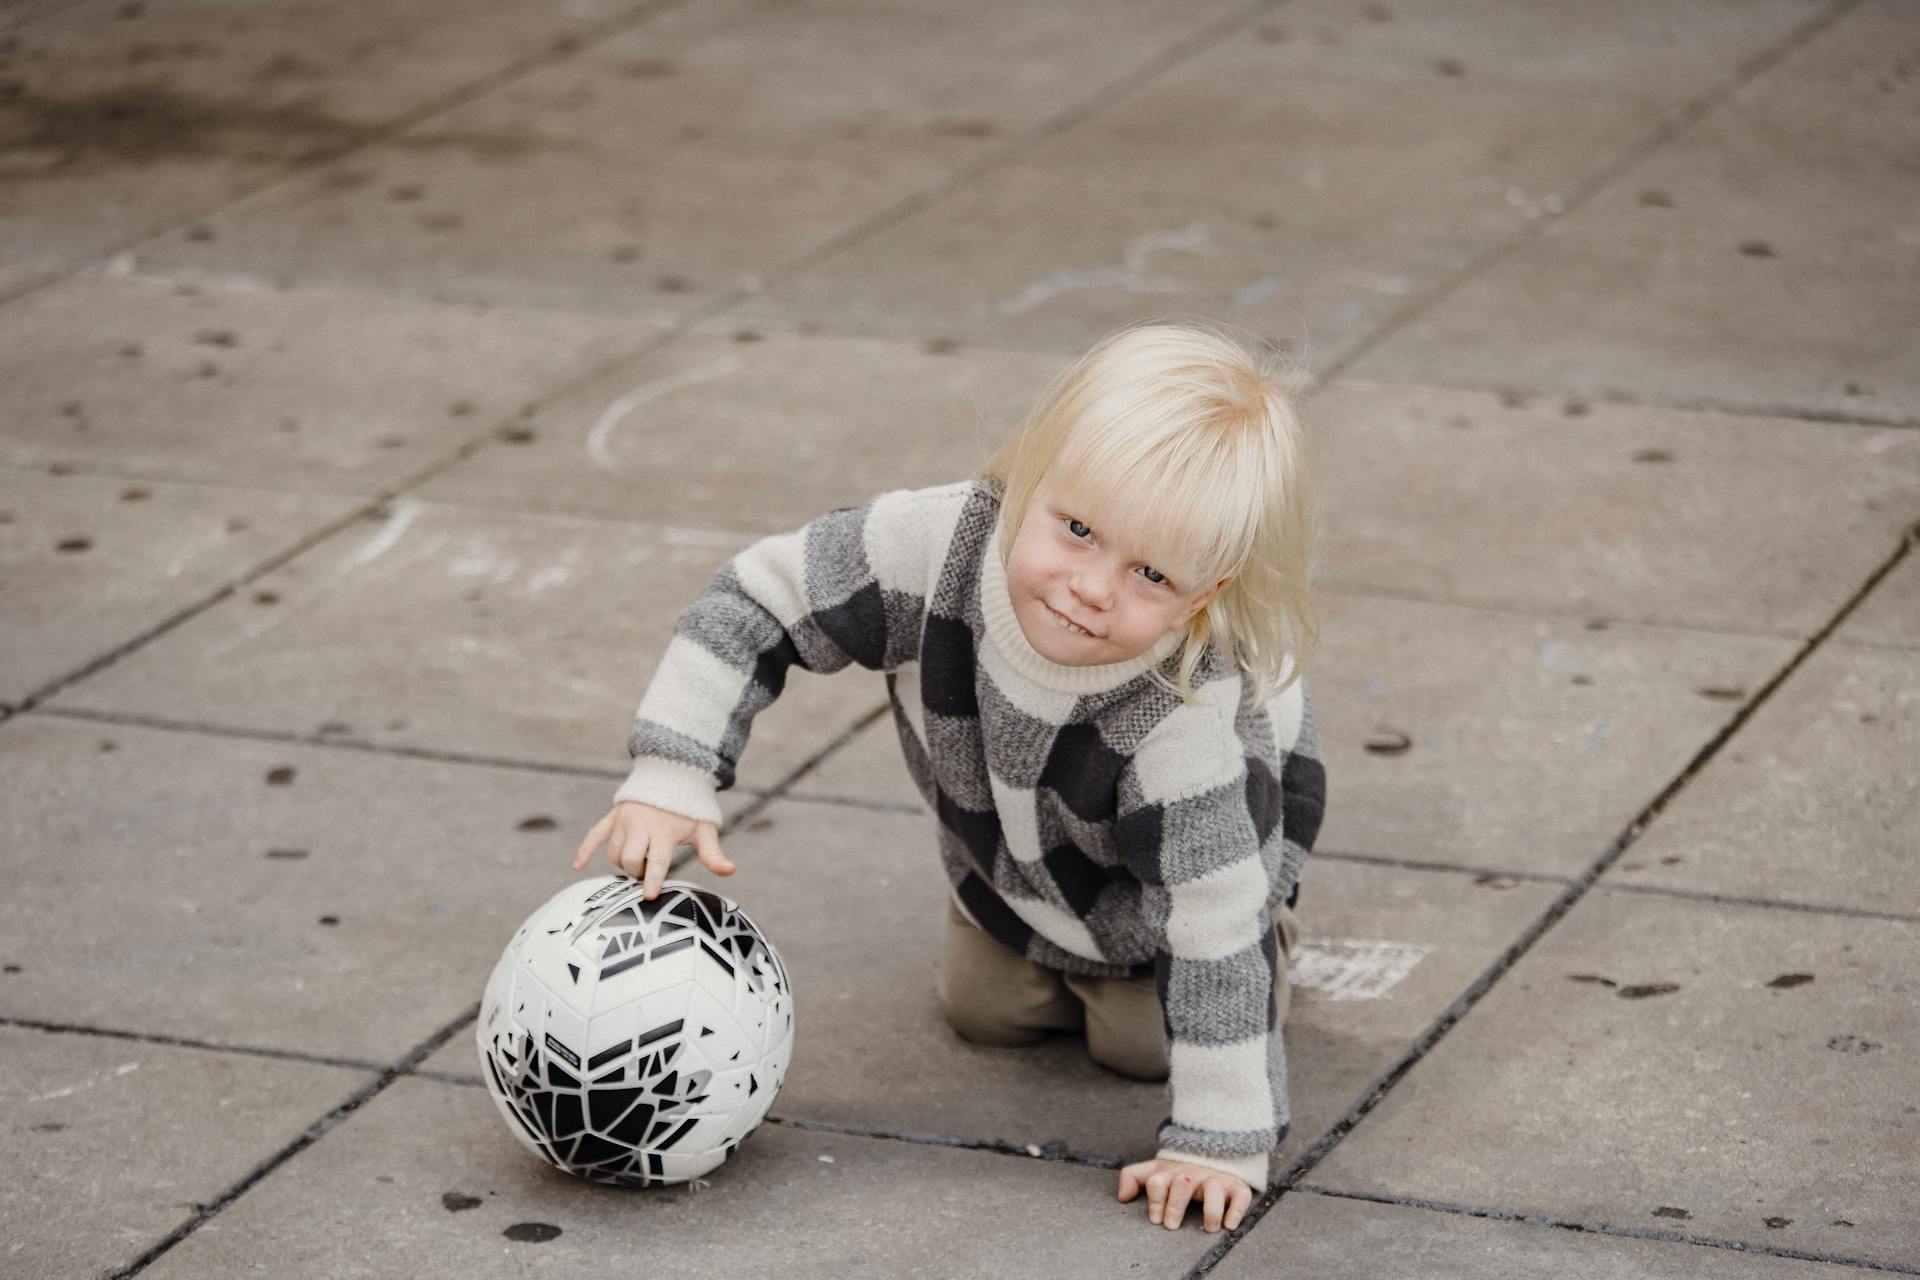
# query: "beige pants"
993 995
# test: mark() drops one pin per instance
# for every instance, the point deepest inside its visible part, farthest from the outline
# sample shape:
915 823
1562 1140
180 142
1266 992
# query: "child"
1092 653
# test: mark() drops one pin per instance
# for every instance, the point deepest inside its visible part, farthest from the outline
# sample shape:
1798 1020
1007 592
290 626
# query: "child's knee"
992 1034
991 995
1124 1026
980 1021
1131 1059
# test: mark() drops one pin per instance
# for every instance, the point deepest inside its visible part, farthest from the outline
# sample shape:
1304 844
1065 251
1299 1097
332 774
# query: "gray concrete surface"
1763 260
1335 1238
1886 617
390 1196
754 431
113 1142
272 389
377 383
1658 1061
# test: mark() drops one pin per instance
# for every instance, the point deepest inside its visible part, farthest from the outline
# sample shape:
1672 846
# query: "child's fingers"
1238 1205
594 837
1129 1185
1178 1194
707 841
623 847
1213 1204
659 858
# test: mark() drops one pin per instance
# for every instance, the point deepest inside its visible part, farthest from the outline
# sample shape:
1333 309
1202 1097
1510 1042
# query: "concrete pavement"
377 383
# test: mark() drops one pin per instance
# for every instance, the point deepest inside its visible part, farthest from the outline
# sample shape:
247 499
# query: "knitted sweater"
1087 818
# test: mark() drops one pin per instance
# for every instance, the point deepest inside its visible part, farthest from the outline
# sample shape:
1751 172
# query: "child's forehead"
1121 518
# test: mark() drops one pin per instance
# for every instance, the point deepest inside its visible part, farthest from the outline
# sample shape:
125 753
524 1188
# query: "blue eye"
1077 529
1153 575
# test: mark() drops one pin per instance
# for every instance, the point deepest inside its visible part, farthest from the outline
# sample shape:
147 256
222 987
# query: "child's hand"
640 841
1171 1183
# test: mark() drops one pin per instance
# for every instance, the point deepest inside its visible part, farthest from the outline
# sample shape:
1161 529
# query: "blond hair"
1193 435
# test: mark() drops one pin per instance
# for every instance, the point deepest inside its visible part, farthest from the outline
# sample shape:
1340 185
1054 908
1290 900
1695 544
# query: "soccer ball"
636 1042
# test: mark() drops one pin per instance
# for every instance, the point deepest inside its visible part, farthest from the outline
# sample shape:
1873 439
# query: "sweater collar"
1004 633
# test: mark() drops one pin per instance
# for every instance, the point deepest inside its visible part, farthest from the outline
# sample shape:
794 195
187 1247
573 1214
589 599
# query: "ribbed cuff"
677 788
1250 1169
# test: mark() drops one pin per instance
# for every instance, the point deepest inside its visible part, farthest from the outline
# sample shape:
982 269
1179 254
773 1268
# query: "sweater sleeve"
849 587
1203 822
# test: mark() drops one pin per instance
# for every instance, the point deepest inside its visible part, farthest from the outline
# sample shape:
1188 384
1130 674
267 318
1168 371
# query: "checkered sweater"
1087 818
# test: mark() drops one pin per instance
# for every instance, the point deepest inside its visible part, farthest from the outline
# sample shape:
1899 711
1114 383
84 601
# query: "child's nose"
1094 589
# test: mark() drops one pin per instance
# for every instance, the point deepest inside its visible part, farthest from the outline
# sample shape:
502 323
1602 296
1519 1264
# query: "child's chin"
1072 651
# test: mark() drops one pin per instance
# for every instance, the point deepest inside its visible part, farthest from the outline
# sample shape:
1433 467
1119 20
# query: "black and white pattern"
632 1041
1088 818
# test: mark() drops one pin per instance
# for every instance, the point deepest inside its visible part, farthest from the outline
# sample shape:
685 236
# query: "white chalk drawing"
404 513
601 433
1352 968
88 1083
1130 275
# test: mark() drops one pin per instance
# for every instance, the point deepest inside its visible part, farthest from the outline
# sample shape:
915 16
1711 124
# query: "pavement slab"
1607 312
1735 1072
1307 181
425 1180
1763 260
495 634
266 894
284 390
869 770
1564 505
685 159
1813 801
1510 741
758 433
1332 1238
111 1144
1391 948
1890 615
129 118
88 563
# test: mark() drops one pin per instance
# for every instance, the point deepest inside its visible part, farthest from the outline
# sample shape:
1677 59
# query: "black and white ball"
636 1042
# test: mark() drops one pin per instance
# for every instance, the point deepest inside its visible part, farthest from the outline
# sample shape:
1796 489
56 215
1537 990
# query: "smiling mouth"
1069 625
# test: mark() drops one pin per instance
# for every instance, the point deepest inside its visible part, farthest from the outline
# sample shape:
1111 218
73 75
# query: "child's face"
1084 594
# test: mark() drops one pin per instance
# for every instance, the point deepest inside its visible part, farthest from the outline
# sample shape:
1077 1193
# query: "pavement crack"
370 508
779 789
1054 1149
1679 124
1605 1228
1636 400
1766 904
185 1042
402 1067
1442 868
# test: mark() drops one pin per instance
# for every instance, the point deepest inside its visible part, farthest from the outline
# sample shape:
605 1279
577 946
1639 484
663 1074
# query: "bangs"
1189 504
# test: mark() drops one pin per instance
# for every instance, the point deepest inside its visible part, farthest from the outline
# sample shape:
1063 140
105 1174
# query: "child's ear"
1202 600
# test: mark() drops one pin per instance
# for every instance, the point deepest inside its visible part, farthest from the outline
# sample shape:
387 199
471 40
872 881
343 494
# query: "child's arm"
849 587
1202 818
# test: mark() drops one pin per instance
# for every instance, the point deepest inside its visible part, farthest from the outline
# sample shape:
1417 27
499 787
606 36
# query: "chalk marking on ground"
602 431
405 512
117 1072
1130 275
1353 968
